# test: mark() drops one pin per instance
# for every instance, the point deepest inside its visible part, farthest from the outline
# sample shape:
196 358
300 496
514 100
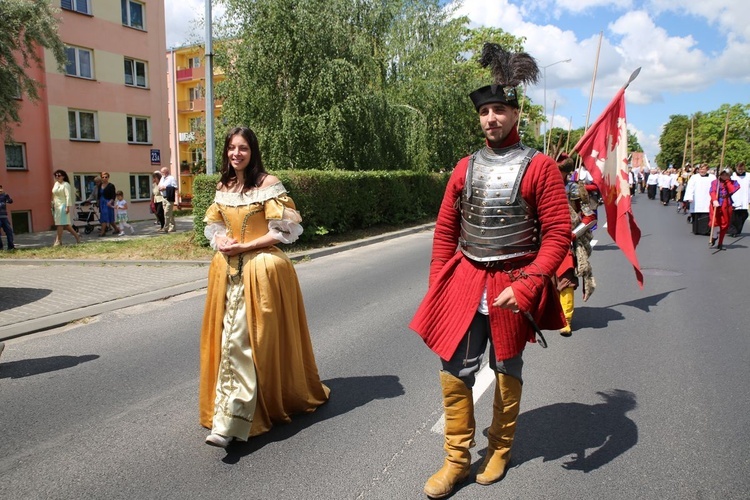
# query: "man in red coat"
502 231
721 192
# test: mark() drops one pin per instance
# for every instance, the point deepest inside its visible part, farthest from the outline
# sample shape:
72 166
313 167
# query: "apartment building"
187 113
106 111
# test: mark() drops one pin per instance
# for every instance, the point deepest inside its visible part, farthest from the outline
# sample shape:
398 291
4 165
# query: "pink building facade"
107 111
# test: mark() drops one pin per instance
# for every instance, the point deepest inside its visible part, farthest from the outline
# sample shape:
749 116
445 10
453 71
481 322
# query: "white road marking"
484 379
593 243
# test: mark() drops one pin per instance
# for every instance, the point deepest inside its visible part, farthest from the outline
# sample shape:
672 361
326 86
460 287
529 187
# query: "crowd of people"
716 205
110 206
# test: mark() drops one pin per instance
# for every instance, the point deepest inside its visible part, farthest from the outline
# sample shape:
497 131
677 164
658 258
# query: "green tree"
28 25
354 85
704 133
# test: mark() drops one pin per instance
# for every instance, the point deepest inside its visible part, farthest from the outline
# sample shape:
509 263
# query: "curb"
63 318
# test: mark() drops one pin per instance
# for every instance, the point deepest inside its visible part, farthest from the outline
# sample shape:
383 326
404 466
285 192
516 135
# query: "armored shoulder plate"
496 222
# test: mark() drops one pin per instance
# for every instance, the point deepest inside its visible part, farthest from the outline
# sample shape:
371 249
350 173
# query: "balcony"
187 74
188 106
197 105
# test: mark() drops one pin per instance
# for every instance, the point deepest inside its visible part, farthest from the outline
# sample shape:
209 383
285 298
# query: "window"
194 62
81 6
84 185
82 125
132 14
16 92
196 155
195 93
196 124
78 62
139 130
21 220
135 73
15 156
140 187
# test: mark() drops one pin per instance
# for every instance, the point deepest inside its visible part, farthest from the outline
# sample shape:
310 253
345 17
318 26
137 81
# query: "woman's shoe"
218 440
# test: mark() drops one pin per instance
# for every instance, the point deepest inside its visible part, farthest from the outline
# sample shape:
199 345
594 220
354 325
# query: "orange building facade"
186 81
107 111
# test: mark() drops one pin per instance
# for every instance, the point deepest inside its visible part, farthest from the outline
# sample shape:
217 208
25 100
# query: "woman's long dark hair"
255 172
64 175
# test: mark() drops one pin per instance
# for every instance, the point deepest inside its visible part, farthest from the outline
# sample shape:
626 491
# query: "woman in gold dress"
257 365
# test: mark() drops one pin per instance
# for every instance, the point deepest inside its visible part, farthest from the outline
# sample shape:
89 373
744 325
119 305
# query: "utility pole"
209 64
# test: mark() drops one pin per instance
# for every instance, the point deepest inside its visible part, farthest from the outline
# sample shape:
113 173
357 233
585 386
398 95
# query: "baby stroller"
87 215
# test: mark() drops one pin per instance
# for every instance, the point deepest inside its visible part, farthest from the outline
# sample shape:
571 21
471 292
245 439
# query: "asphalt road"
648 399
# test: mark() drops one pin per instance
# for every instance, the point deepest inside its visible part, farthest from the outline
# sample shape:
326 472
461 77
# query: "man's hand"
506 300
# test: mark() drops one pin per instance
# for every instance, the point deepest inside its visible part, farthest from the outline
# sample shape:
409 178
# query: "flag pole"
591 94
684 151
724 143
593 82
567 141
551 122
692 141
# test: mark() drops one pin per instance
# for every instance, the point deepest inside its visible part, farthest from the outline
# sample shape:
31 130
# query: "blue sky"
694 54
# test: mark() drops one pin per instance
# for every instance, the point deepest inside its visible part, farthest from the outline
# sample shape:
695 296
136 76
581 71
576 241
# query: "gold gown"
273 313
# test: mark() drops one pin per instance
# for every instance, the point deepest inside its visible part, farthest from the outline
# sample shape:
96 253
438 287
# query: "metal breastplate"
496 223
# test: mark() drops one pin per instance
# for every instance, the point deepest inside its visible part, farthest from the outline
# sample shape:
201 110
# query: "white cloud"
729 16
184 21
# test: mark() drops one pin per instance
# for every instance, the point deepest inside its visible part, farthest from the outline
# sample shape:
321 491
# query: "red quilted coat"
456 283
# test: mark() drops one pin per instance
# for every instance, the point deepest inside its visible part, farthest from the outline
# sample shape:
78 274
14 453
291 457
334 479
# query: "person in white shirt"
664 181
168 189
697 193
740 200
652 183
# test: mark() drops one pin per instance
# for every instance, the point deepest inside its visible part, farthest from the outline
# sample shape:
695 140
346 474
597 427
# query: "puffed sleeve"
284 221
215 226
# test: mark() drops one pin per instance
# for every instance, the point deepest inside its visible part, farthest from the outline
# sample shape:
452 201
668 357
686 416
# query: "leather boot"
500 434
459 437
567 302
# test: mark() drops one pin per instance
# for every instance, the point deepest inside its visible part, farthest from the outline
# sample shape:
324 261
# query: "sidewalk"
38 295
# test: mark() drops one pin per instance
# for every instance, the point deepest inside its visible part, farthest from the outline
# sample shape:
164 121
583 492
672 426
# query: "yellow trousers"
567 302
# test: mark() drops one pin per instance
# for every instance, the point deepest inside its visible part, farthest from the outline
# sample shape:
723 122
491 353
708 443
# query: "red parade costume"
457 283
721 191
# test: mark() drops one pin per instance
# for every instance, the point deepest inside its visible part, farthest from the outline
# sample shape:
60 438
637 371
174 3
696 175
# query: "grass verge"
176 246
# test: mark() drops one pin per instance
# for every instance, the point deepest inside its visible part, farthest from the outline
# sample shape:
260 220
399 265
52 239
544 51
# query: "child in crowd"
121 214
4 222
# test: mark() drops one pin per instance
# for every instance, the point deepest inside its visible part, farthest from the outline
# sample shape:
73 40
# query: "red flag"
604 150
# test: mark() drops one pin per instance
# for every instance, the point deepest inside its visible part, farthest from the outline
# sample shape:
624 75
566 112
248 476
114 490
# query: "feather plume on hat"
508 70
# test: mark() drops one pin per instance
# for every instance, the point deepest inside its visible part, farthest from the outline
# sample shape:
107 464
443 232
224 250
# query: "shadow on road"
36 366
600 317
346 395
570 429
17 297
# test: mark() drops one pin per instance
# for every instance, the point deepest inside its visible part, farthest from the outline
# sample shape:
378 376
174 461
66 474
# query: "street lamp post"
544 71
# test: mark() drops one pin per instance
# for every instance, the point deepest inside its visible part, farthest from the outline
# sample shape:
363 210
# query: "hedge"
339 201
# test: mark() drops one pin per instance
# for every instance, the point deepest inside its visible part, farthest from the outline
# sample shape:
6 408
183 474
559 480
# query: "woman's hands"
230 246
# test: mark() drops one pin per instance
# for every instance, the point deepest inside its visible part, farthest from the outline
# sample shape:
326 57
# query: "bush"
338 201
